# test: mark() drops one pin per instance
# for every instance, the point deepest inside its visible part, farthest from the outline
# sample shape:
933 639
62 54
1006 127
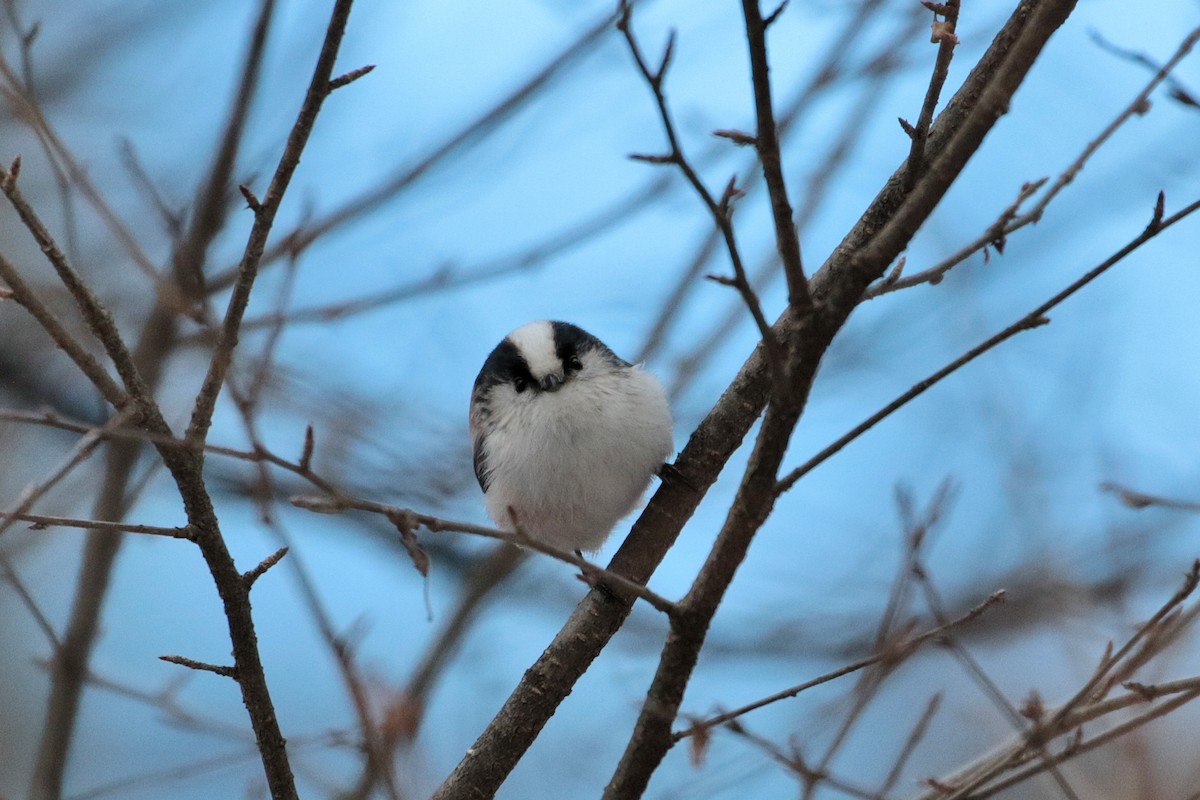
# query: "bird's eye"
520 384
574 364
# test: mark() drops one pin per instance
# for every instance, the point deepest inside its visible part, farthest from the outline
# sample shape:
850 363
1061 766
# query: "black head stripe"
503 365
571 340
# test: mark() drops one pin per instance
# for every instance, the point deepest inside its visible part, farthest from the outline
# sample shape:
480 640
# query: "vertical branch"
943 36
766 141
720 210
209 208
320 87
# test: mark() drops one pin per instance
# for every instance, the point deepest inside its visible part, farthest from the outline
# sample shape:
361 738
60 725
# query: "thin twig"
264 217
166 702
1085 694
443 279
995 236
42 521
27 599
967 782
1087 745
201 666
766 141
558 66
410 519
1178 91
1139 500
898 651
23 294
1086 704
984 681
1009 220
878 69
794 763
910 745
916 533
82 451
720 210
1033 319
943 36
59 154
210 207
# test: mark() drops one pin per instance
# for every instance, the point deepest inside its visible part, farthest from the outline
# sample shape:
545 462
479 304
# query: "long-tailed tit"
566 434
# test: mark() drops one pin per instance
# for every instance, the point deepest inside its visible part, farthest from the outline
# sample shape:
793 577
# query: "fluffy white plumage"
566 434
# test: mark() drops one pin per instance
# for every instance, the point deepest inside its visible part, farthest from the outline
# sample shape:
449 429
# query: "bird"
566 435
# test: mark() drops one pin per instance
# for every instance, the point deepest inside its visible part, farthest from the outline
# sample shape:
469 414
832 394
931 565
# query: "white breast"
572 463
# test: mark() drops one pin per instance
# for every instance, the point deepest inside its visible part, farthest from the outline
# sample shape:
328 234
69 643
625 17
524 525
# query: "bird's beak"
551 383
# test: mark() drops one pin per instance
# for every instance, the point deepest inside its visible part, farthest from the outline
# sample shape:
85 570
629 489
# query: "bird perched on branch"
566 434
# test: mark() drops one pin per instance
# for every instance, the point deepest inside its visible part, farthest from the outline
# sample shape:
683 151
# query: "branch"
1086 704
881 64
1009 221
1017 717
1139 500
301 237
82 451
24 295
407 519
910 745
209 209
766 141
201 666
57 152
893 653
253 575
42 522
721 211
1033 319
264 217
1078 748
943 36
1178 91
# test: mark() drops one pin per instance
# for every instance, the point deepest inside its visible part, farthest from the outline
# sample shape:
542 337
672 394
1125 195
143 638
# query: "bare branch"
943 36
897 652
228 672
1033 319
61 158
42 522
98 318
264 217
766 141
721 212
1139 500
1087 704
407 519
1179 92
1009 220
24 295
349 77
253 575
209 208
910 744
302 236
82 451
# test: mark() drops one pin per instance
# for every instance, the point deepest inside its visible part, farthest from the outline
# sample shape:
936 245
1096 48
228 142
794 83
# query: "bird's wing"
478 437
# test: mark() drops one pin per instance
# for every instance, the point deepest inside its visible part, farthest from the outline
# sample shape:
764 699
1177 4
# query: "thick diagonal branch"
838 287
